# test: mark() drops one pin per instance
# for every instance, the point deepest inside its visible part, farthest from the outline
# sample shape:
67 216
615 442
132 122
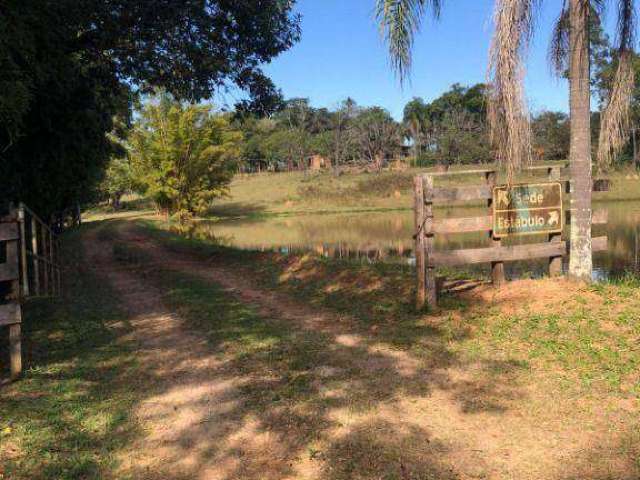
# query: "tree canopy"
68 66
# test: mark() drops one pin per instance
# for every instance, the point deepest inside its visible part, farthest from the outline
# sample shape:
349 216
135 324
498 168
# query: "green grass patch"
70 414
591 345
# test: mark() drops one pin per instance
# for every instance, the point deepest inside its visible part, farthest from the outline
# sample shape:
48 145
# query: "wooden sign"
527 209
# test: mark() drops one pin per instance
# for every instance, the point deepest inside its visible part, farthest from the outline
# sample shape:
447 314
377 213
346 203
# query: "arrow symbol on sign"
503 197
554 218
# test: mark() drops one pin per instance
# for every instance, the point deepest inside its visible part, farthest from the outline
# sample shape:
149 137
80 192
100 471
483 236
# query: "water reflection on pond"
387 236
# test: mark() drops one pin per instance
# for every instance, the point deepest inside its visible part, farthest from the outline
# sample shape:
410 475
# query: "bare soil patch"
362 408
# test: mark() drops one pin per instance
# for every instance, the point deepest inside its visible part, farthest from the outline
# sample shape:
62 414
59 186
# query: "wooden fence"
427 195
30 268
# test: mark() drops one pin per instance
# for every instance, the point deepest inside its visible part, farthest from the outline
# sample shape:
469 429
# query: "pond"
387 237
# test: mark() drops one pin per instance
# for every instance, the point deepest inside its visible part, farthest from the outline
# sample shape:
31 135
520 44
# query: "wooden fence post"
59 267
420 252
23 251
15 350
432 288
34 256
15 336
45 264
52 270
555 263
497 268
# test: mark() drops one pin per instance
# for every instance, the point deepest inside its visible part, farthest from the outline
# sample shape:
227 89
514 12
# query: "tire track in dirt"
194 428
188 388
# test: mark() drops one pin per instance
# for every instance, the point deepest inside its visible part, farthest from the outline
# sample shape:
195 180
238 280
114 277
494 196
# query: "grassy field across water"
297 192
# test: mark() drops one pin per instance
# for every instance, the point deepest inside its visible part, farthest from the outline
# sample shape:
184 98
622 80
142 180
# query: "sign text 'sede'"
527 209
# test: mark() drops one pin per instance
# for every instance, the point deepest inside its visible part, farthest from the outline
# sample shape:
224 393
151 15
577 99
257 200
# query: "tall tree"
67 67
183 155
401 19
551 136
378 135
581 258
414 119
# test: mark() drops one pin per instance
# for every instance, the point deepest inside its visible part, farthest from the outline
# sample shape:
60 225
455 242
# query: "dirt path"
441 422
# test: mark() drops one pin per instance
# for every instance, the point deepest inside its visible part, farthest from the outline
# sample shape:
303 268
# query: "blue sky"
341 54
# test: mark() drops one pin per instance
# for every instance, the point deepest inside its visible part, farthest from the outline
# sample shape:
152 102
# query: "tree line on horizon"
70 89
202 147
71 70
452 129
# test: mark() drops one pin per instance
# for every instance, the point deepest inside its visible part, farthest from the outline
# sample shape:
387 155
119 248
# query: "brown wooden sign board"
527 209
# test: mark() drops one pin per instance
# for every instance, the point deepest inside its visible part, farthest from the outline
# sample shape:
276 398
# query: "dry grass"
507 111
537 380
615 124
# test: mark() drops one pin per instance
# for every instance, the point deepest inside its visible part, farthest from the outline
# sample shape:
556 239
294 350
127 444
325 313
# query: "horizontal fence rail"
426 196
39 255
31 268
510 253
10 310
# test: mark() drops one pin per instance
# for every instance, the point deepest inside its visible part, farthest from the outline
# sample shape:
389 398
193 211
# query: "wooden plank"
421 265
15 350
497 268
9 271
51 271
599 216
553 171
45 266
508 254
462 224
544 167
35 217
10 313
495 254
555 263
461 172
600 244
597 187
34 249
8 231
430 278
58 268
460 194
24 265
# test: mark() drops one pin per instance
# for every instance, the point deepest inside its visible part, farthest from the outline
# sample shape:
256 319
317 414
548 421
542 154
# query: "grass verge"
584 337
70 414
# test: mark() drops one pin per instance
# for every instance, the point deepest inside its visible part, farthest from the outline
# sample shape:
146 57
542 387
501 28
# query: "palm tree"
400 20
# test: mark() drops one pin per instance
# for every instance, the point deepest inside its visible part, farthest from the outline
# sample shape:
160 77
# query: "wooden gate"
31 268
427 196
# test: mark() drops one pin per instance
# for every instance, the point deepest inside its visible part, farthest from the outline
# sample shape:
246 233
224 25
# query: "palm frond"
558 53
615 122
559 46
507 111
400 21
626 25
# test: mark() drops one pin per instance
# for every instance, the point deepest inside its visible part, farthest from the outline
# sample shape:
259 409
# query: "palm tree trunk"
580 260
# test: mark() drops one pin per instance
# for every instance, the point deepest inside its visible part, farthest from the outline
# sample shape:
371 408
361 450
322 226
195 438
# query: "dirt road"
363 409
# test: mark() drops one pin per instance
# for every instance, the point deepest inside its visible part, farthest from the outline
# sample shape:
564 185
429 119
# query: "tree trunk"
580 259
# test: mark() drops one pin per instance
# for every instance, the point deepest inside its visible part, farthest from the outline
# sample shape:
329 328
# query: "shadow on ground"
301 392
70 413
